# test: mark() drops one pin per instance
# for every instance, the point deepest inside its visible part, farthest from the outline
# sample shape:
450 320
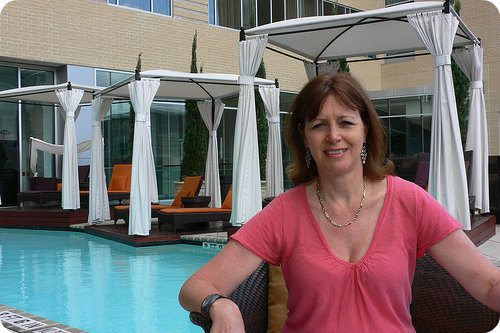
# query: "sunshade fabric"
447 179
247 198
274 160
378 31
471 62
37 144
185 86
212 121
69 100
46 94
142 93
329 67
98 196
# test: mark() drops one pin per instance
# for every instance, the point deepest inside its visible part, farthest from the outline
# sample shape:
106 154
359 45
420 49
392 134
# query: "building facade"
97 42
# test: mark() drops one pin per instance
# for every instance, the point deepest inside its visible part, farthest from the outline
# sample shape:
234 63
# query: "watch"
208 302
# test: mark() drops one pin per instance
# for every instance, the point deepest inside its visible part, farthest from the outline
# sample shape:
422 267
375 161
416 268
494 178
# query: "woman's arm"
460 257
221 275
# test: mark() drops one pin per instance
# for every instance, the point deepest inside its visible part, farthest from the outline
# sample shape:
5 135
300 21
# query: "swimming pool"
97 285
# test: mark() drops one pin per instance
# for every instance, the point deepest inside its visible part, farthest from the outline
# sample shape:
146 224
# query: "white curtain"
37 144
212 121
447 179
471 62
142 93
330 67
62 112
69 100
274 160
98 196
247 198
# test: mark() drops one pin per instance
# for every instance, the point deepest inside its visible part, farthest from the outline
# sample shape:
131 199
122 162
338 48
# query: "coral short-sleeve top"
328 294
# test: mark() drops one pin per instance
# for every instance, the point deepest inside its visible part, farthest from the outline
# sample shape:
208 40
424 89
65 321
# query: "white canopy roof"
46 94
366 33
182 86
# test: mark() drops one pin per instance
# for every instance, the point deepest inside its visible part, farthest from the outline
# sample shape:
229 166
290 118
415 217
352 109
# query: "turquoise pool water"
97 285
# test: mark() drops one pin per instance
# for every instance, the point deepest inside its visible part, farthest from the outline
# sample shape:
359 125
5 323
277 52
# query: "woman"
348 235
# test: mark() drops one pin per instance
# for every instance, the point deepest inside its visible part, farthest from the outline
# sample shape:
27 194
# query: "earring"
307 157
364 154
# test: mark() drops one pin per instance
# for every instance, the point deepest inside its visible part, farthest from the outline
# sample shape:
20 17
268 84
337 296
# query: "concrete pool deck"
14 320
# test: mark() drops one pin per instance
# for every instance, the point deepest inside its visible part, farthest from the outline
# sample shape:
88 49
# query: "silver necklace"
363 197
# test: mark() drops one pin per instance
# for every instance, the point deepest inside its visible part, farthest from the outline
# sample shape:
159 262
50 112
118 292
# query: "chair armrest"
251 298
441 304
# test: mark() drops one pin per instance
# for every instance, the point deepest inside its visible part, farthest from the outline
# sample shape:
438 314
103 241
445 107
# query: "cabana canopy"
372 32
431 26
46 94
184 86
167 86
68 96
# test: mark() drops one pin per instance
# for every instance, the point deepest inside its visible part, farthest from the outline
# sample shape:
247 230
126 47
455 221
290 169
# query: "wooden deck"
54 217
119 233
482 229
41 216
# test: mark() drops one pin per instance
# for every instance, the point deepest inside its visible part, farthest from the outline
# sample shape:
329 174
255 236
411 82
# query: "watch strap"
208 302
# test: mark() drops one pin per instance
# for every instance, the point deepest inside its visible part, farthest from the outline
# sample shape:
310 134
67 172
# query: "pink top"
329 294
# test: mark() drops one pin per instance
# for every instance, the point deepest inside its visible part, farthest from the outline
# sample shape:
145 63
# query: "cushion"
278 297
228 202
43 184
118 183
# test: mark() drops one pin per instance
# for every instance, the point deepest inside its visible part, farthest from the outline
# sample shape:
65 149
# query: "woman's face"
335 138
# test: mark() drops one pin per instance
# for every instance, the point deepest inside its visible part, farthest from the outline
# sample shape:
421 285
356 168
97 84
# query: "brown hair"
307 105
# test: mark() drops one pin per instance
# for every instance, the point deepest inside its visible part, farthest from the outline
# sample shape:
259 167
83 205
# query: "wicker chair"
440 304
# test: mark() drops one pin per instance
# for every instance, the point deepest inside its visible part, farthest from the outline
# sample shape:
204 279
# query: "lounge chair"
190 188
177 217
440 304
119 185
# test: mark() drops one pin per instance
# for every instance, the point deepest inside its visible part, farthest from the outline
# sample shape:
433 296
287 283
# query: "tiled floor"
491 248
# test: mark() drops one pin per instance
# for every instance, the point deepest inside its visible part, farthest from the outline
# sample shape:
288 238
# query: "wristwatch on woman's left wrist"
208 302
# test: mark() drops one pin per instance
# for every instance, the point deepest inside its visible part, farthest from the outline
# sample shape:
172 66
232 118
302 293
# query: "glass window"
407 122
228 13
395 2
264 11
156 6
291 9
307 8
31 77
249 14
106 78
278 10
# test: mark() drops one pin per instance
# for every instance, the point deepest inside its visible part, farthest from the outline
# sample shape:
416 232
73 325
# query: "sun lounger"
190 188
119 185
177 217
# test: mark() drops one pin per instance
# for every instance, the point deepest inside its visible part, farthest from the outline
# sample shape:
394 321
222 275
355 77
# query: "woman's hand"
226 317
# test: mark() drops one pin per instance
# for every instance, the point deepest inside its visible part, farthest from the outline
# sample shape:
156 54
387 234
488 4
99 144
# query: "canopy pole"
276 83
213 112
69 85
242 34
446 7
137 75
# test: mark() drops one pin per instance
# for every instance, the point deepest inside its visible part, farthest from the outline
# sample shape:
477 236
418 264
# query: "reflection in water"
95 284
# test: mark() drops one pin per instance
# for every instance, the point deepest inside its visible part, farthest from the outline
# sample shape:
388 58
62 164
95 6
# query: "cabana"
69 97
430 26
142 88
